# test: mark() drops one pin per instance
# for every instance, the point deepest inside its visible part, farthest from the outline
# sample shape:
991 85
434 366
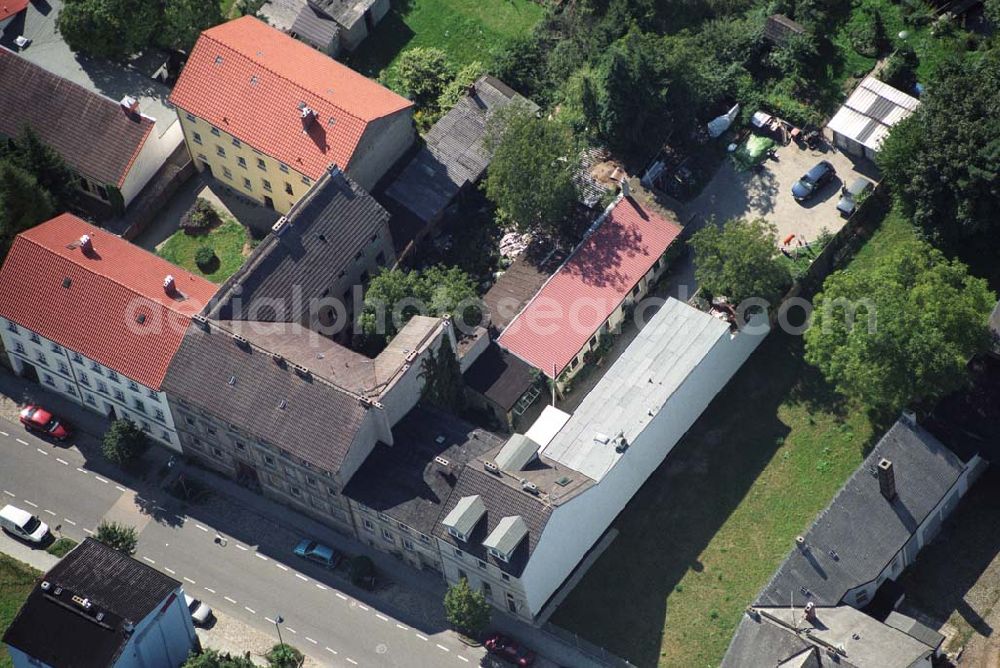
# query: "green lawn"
466 30
228 240
709 528
16 581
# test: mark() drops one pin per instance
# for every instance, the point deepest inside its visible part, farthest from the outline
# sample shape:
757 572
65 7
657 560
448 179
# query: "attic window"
232 380
283 405
141 318
254 80
218 60
563 481
331 121
67 282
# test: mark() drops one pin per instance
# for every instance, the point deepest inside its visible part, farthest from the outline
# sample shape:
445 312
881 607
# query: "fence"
587 647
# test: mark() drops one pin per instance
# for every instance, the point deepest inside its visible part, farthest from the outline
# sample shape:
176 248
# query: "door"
29 372
207 167
268 202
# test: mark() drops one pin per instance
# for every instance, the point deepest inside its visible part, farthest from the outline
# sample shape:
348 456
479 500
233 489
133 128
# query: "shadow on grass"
389 38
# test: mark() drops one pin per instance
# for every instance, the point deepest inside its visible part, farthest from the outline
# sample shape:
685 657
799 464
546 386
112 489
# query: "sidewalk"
34 557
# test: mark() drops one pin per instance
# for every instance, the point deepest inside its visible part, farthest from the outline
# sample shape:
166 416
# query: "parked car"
509 650
200 612
849 195
22 524
812 181
36 418
315 551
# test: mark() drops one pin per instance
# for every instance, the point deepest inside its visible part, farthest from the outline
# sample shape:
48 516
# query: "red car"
507 649
38 419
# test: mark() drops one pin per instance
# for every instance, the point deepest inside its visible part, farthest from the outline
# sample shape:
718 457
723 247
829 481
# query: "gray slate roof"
860 532
453 155
322 233
345 12
315 27
499 376
404 481
318 422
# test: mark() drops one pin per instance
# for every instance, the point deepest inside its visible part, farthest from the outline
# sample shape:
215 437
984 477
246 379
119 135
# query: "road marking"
42 451
341 596
292 630
302 577
89 531
241 547
4 433
187 579
120 488
319 586
160 508
422 637
362 607
62 461
9 493
80 469
260 556
231 600
350 660
21 441
443 648
209 589
282 567
170 570
463 658
382 617
400 626
269 620
69 521
201 527
331 651
33 505
100 479
149 560
311 640
50 512
250 610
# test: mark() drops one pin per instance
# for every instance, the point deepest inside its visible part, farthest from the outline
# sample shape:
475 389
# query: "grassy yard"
466 30
709 528
228 240
16 581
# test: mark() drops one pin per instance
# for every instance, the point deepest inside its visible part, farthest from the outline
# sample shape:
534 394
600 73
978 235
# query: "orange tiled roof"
249 79
9 8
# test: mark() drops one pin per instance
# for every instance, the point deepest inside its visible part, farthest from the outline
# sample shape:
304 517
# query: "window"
456 533
424 538
368 525
511 603
487 590
215 131
575 363
462 575
261 164
203 157
332 491
139 406
498 554
288 188
217 452
358 256
236 143
593 342
403 527
70 389
458 553
387 536
120 396
134 386
112 376
383 517
152 394
296 491
228 174
505 577
408 544
89 398
41 359
63 368
269 460
305 180
861 598
219 151
480 563
56 348
196 137
266 184
242 162
380 259
211 430
19 347
283 167
84 379
34 338
11 327
375 237
102 387
191 118
240 446
95 367
49 380
635 290
160 415
247 184
188 419
310 481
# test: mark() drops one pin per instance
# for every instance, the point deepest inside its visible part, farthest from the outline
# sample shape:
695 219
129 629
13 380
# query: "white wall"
153 154
575 526
162 639
385 141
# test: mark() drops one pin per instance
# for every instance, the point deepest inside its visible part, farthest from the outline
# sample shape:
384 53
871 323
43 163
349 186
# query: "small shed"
501 384
316 29
779 29
864 121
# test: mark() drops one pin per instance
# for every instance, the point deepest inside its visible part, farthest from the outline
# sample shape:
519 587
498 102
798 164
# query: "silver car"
200 612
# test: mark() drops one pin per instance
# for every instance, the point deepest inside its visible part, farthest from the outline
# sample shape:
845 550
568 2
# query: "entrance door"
246 475
268 202
29 372
207 167
109 410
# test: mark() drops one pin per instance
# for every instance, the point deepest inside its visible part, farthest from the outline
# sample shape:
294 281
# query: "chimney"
85 244
626 189
130 105
886 479
810 611
169 286
308 117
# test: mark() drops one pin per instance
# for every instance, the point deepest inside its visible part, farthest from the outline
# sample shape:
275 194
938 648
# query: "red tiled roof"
249 79
587 289
9 8
108 290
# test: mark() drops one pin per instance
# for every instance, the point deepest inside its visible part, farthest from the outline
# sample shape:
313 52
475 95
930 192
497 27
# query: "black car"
812 181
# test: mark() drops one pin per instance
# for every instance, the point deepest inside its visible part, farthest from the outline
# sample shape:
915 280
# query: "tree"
900 69
183 21
212 658
738 261
991 9
422 73
943 162
455 89
42 161
113 29
124 442
466 610
283 656
901 330
442 376
530 178
23 203
120 537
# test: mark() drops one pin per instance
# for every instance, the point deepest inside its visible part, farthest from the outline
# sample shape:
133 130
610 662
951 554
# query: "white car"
23 525
200 612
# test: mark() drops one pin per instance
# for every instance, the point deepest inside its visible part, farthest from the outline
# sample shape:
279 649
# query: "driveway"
767 194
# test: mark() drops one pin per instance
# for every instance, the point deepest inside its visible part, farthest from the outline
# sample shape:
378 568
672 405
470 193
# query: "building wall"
89 383
384 142
575 526
164 638
417 549
504 591
153 154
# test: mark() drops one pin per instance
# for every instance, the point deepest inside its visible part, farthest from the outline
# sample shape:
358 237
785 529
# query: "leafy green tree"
901 330
183 21
738 260
943 162
900 69
991 8
124 442
455 89
120 537
283 656
23 203
213 658
530 178
422 73
34 156
466 610
442 375
113 29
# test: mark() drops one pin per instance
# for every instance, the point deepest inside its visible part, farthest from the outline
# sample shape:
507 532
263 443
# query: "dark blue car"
812 181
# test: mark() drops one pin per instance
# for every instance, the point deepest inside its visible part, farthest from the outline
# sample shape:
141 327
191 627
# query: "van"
22 524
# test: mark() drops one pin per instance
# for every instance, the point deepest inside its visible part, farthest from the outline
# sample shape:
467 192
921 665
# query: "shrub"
362 571
284 656
61 547
900 69
200 217
466 609
866 32
204 257
124 442
120 537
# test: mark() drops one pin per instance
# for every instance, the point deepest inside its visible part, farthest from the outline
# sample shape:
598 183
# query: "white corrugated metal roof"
636 387
871 111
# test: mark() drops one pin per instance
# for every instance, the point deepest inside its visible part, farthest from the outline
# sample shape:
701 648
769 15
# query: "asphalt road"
51 481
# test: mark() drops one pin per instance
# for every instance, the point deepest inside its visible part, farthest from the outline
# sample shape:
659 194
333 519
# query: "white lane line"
362 607
319 586
80 469
33 505
292 630
69 521
341 596
231 600
209 589
62 461
9 493
443 648
311 640
4 433
260 556
187 579
422 637
201 527
269 620
462 658
160 508
100 479
302 577
331 651
240 547
89 531
170 570
282 567
21 441
50 512
147 559
350 660
250 610
382 617
120 488
42 452
400 626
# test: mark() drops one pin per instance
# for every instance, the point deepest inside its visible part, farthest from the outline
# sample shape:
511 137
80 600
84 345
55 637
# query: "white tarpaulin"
717 126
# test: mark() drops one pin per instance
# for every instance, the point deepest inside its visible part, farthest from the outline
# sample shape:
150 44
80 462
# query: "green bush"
362 571
61 547
900 69
124 442
200 217
117 536
866 32
204 257
284 656
466 608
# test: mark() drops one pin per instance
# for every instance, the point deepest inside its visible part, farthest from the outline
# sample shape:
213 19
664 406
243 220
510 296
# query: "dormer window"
499 555
457 534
